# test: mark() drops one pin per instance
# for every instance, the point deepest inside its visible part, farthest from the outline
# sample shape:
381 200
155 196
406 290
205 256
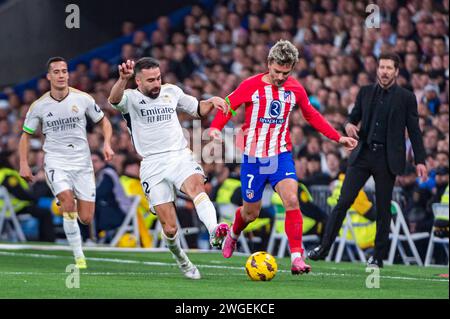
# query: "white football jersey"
153 123
64 126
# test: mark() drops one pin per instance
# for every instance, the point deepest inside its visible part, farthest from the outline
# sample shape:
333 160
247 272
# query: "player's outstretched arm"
25 170
107 133
125 73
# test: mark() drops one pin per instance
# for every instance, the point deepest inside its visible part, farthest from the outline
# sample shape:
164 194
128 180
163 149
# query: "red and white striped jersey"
267 109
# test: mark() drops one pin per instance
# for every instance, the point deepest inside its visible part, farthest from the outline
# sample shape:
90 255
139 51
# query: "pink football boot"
299 267
218 235
229 246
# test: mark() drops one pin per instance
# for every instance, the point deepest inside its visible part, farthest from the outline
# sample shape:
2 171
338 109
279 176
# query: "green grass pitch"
42 274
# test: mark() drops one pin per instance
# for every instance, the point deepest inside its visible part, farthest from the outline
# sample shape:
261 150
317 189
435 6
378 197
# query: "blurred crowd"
213 51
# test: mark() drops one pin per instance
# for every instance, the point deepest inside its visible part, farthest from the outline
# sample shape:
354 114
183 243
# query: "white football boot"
188 269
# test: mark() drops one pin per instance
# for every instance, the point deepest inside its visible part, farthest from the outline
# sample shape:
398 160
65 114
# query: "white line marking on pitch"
151 263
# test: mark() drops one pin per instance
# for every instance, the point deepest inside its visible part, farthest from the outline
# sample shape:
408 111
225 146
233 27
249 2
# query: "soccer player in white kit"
68 166
150 112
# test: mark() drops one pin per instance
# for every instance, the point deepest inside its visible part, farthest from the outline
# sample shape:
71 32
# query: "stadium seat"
320 193
7 214
130 223
438 210
399 225
342 242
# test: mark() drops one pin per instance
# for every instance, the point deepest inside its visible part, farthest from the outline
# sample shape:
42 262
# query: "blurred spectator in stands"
29 96
23 199
181 64
313 145
333 161
442 179
141 43
442 159
111 203
430 139
132 187
128 52
314 172
43 86
431 98
297 139
443 144
5 131
408 184
118 161
128 28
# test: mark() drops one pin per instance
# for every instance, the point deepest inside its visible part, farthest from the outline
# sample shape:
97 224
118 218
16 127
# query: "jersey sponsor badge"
275 109
250 194
75 109
166 98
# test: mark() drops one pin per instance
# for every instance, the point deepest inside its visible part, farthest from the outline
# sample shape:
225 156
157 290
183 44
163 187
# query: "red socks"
293 225
239 224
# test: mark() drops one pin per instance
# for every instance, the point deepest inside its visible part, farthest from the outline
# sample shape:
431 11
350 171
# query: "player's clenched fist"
126 70
348 142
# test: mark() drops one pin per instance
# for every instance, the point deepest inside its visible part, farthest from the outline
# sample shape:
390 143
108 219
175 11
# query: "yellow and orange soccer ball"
261 266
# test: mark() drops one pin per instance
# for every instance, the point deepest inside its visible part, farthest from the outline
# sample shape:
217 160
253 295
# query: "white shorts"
162 174
81 182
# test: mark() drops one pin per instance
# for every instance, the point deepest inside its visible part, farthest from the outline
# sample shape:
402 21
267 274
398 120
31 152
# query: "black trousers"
371 161
46 228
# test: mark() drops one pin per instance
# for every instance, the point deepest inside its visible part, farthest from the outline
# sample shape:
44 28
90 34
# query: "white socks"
206 211
73 234
295 255
175 248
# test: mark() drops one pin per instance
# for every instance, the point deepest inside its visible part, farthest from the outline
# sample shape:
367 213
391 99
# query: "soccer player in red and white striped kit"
269 98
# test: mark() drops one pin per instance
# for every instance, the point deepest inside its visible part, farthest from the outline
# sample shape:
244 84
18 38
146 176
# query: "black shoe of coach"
317 253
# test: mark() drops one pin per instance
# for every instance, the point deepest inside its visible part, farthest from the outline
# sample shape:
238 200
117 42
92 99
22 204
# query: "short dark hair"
145 63
98 154
55 59
131 161
390 56
336 154
313 158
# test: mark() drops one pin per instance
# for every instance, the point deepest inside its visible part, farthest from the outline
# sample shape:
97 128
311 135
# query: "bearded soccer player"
150 112
269 99
67 164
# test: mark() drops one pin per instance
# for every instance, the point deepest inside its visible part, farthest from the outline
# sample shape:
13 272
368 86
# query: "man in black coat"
384 110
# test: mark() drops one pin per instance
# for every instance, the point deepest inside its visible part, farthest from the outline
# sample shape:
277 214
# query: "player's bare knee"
194 190
68 206
85 220
291 202
170 230
67 202
250 216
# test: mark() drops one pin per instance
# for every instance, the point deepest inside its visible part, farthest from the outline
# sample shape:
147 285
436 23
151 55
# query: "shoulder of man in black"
365 89
406 92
